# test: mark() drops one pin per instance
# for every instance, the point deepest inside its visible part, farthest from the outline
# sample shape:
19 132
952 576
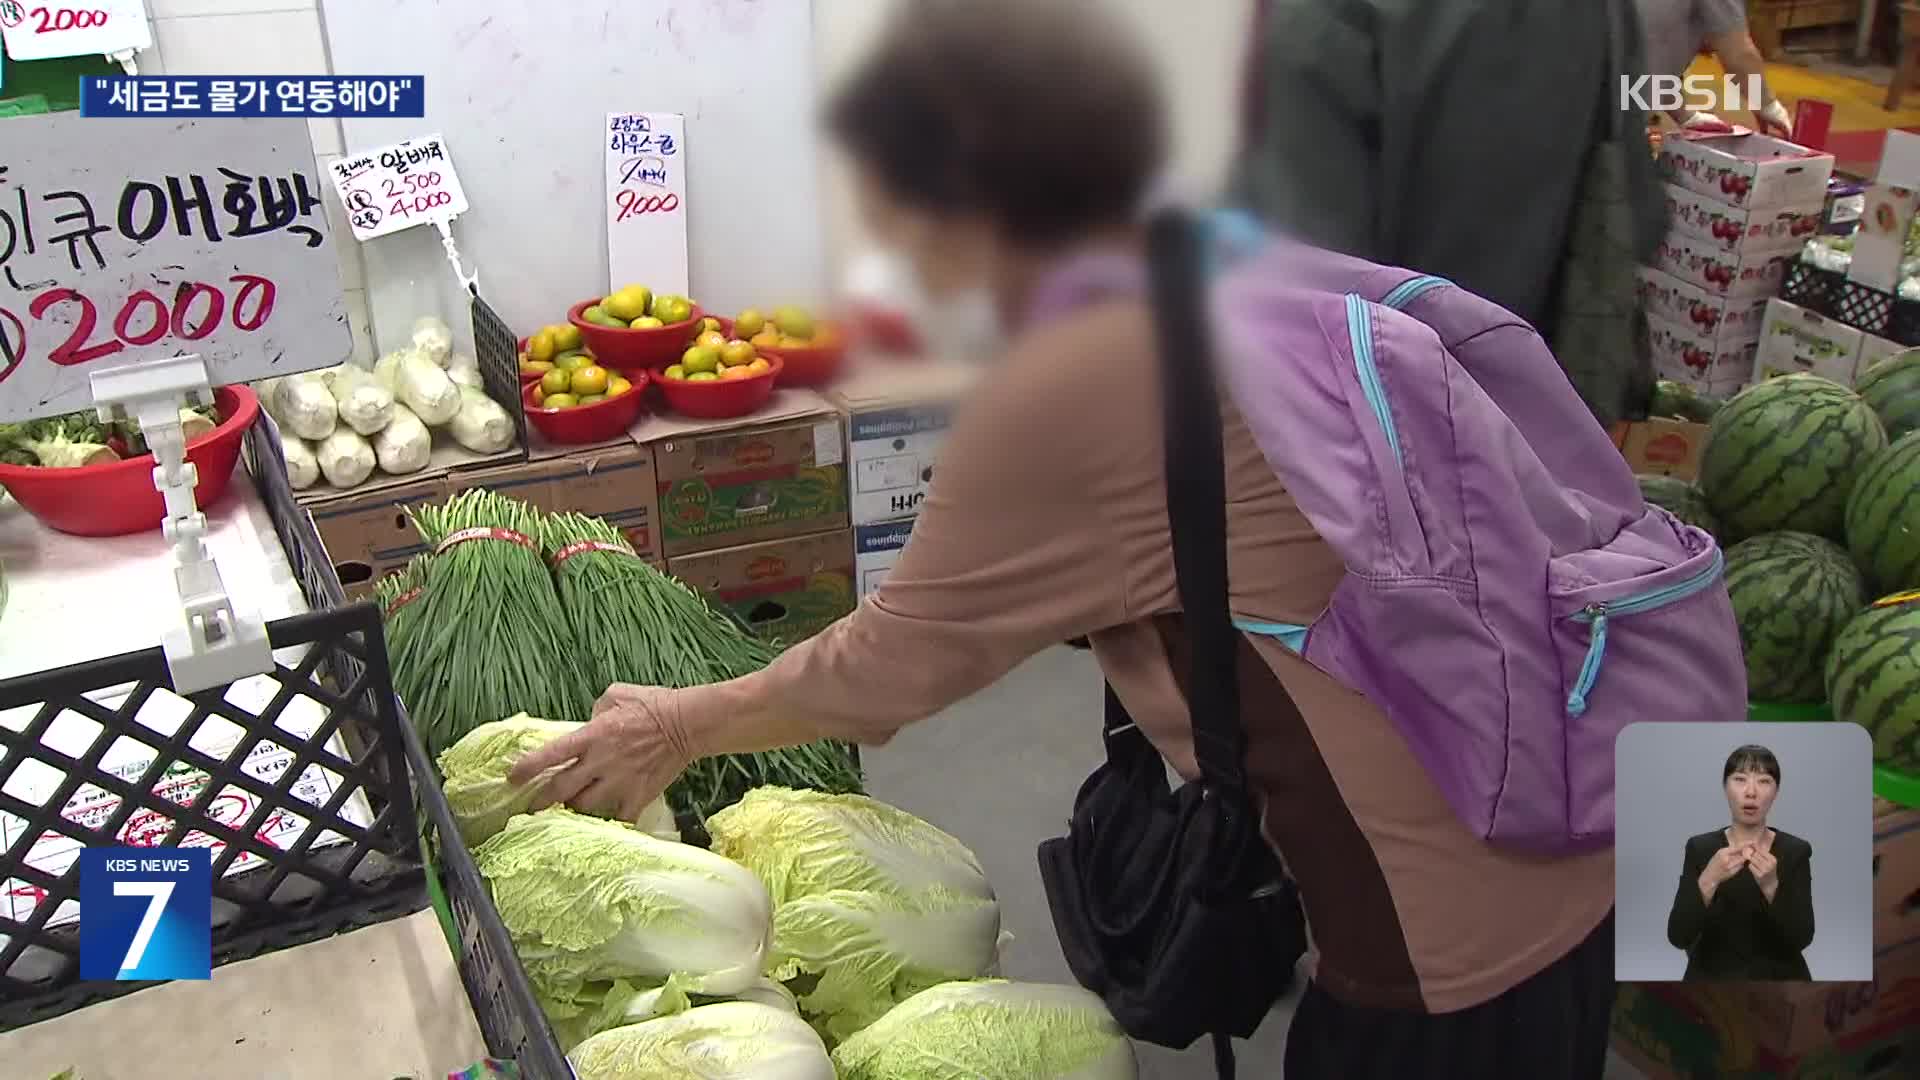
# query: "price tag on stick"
397 187
38 29
647 201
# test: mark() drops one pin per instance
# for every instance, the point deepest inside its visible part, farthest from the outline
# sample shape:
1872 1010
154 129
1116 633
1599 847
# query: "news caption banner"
252 95
397 187
647 201
38 30
147 913
124 239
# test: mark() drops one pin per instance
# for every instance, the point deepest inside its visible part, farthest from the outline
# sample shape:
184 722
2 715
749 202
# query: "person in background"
1479 140
1675 30
1744 907
1000 143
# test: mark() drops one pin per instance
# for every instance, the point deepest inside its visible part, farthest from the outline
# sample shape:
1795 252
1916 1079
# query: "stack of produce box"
1740 207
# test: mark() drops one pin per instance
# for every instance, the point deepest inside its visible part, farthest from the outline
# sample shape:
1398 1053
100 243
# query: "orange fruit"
675 372
539 394
589 380
767 338
740 372
712 339
759 365
617 386
736 352
556 381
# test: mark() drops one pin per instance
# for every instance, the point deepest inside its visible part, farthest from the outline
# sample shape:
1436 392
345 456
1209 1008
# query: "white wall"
1198 54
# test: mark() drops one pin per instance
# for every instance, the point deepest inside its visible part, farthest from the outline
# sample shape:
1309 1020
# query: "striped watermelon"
1680 499
1792 595
1883 516
1873 678
1892 387
1783 455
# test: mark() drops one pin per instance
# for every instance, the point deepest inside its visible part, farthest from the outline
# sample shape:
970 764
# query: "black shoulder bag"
1169 903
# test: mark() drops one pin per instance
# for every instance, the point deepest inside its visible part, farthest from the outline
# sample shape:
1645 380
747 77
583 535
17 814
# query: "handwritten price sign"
397 187
646 200
38 29
123 239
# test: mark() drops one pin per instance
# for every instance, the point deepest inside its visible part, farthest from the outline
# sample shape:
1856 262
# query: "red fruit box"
1741 230
1705 314
1754 172
1734 275
1713 364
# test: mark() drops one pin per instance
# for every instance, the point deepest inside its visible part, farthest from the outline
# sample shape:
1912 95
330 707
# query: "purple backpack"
1511 602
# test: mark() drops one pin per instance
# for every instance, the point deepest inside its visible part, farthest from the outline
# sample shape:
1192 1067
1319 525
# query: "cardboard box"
612 482
367 533
741 485
1662 447
1710 364
786 590
1741 230
1880 243
875 549
1896 877
1754 172
1682 1031
1705 314
894 428
1721 273
1799 340
1873 349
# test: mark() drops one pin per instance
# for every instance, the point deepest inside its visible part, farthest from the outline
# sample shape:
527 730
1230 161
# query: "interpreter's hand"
1725 863
1766 870
621 760
1774 120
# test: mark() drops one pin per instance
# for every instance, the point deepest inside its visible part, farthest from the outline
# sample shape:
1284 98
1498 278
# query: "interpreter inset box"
1743 852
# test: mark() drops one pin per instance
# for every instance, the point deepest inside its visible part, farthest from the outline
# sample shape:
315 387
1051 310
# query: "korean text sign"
647 201
397 187
38 29
126 239
146 913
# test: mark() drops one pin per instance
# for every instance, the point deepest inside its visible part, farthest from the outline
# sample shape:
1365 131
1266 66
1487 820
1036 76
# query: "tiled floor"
999 771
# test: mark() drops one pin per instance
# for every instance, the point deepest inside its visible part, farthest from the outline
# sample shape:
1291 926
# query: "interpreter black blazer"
1742 935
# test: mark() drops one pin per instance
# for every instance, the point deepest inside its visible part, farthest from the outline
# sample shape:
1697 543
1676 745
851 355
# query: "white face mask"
963 326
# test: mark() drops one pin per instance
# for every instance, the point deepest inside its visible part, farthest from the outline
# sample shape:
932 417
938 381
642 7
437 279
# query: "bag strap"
1197 494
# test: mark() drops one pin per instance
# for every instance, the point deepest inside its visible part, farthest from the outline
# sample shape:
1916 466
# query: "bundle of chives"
399 595
493 640
637 625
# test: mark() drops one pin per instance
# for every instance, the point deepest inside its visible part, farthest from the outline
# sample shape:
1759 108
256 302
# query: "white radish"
405 445
481 425
345 458
364 403
423 387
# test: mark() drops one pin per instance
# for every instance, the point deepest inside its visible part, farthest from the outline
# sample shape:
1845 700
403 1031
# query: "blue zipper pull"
1596 615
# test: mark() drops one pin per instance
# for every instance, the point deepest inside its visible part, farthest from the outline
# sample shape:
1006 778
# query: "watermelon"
1873 678
1783 456
1883 516
1892 387
1792 595
1680 499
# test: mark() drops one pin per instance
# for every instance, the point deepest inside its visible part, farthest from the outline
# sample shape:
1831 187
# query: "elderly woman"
995 142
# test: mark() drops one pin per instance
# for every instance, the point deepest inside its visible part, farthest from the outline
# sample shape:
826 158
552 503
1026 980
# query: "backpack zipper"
1598 614
1360 330
1412 289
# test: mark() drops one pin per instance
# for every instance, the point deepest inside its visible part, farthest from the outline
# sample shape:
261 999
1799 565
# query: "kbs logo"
146 913
1669 93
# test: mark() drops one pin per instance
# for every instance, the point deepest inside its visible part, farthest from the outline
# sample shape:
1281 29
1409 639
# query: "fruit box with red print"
1753 172
1798 340
1738 229
1708 315
1733 275
1711 365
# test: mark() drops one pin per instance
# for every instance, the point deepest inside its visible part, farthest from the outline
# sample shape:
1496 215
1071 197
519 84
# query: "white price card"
647 201
38 29
397 187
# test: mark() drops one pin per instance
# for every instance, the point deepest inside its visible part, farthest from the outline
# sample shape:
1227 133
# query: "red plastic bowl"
631 349
119 498
597 422
721 399
806 365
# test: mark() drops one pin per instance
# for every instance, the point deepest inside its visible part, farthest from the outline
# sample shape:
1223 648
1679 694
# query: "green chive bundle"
399 595
634 624
492 639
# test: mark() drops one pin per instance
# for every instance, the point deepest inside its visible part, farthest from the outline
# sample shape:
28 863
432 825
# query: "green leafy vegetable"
991 1030
56 442
730 1041
474 772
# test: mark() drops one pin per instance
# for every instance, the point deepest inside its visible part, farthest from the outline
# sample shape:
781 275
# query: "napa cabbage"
479 794
590 901
991 1030
734 1040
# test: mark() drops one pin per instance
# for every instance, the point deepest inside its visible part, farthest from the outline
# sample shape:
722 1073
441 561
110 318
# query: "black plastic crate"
1833 294
509 1017
498 352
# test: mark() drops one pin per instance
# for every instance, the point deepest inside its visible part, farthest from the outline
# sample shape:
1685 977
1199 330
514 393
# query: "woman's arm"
1689 913
1791 907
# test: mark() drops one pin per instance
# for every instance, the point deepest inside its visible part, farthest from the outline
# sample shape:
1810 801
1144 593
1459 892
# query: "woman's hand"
621 760
1766 870
1724 864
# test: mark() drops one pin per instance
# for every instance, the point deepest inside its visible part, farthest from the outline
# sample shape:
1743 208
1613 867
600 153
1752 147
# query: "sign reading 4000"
127 239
